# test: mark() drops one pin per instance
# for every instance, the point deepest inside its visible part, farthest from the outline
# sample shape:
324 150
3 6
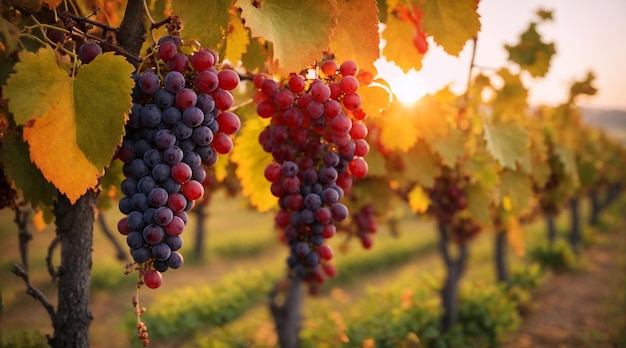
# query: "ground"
584 308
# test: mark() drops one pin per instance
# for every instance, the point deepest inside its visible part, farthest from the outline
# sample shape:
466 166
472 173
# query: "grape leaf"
478 202
15 159
510 101
251 161
421 165
398 132
256 55
449 147
431 115
515 236
518 188
568 159
451 23
399 46
221 167
374 191
205 21
418 200
237 40
531 53
482 169
376 99
356 36
287 24
73 124
507 143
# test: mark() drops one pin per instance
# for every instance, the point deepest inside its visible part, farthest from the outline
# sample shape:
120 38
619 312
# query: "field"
380 295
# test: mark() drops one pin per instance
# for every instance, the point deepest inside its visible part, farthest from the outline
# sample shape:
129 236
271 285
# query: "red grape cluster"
448 200
366 225
317 140
178 123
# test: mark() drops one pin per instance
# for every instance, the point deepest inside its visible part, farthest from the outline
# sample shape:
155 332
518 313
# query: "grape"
170 133
56 36
152 279
88 51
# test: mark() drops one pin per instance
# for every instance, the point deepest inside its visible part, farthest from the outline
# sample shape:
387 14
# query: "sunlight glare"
408 88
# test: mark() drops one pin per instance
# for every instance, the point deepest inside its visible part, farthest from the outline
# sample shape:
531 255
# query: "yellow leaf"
399 47
421 165
431 117
251 161
478 202
205 21
221 167
376 97
418 200
450 147
38 221
237 40
515 236
54 155
451 23
398 132
356 36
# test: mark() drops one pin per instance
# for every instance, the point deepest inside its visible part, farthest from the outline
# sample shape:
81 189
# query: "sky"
588 36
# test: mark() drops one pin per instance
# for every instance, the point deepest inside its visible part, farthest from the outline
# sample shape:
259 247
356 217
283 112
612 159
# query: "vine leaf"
568 159
377 99
72 124
418 200
356 36
14 156
399 47
295 45
422 165
196 15
450 147
237 40
451 23
531 53
251 161
479 200
507 143
374 191
516 188
398 132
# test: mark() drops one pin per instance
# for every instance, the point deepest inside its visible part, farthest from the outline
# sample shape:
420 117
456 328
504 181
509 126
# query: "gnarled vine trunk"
75 230
574 237
455 266
502 272
288 314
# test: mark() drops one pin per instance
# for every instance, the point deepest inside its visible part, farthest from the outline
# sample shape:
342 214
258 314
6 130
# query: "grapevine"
316 138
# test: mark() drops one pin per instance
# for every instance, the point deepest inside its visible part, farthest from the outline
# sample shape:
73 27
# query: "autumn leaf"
531 53
418 200
72 124
398 132
18 167
356 36
510 101
507 143
451 23
377 99
251 161
421 165
479 201
299 30
449 147
399 48
237 40
205 21
518 188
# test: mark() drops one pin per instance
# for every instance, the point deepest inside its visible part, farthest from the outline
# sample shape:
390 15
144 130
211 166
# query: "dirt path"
580 309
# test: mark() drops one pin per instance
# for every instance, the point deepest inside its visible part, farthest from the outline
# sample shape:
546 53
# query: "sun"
407 87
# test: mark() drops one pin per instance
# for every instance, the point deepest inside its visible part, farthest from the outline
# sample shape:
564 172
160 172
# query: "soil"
584 308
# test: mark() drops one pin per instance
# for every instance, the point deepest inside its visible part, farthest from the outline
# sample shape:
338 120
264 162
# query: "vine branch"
54 273
31 290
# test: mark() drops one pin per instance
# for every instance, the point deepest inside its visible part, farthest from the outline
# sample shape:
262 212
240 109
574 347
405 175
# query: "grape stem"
105 28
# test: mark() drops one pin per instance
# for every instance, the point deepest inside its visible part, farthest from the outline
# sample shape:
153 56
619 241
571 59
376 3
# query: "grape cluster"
366 225
317 141
177 124
448 201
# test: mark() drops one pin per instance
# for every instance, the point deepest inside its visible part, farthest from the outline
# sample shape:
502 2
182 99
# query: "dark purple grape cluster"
179 122
448 200
317 140
366 224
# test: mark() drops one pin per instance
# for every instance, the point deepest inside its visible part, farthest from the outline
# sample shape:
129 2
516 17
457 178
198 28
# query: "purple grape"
174 81
161 172
205 152
163 216
153 234
302 249
182 131
193 116
151 115
171 116
140 255
173 155
140 202
164 139
158 197
328 175
175 260
88 51
148 216
129 186
330 196
171 186
198 174
146 184
163 99
174 242
149 83
312 201
125 205
289 169
339 212
136 169
187 145
206 103
192 159
202 136
161 251
152 157
135 240
160 266
135 221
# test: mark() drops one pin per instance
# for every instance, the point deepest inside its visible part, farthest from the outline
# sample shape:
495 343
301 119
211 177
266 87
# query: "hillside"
612 121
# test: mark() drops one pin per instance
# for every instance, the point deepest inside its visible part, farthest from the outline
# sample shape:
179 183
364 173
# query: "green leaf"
451 23
568 159
374 191
421 165
356 36
450 146
482 169
531 53
256 55
479 202
251 161
72 124
15 159
205 21
518 188
299 29
507 143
